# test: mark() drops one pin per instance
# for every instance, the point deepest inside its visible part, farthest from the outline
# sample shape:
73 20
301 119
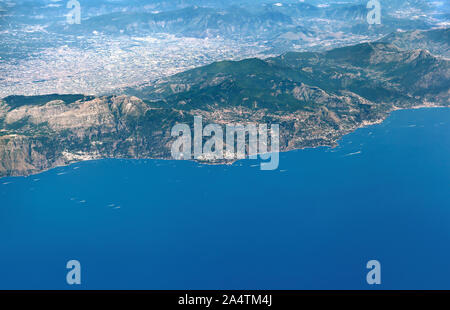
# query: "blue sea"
383 194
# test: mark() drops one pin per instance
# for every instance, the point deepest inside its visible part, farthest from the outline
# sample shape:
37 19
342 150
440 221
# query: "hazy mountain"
255 19
191 21
436 41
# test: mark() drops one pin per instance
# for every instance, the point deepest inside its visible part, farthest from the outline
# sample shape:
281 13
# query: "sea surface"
383 194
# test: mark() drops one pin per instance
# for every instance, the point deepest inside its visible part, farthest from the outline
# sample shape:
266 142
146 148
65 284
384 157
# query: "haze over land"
136 42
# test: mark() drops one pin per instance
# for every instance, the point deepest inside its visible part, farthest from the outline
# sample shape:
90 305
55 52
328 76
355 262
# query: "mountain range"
261 20
315 97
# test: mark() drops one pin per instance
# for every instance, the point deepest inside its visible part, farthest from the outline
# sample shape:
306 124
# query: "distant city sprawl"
103 64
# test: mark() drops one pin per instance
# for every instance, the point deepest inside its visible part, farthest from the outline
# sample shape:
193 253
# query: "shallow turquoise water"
312 224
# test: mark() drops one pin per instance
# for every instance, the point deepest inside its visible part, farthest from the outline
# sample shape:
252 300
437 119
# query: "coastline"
332 145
